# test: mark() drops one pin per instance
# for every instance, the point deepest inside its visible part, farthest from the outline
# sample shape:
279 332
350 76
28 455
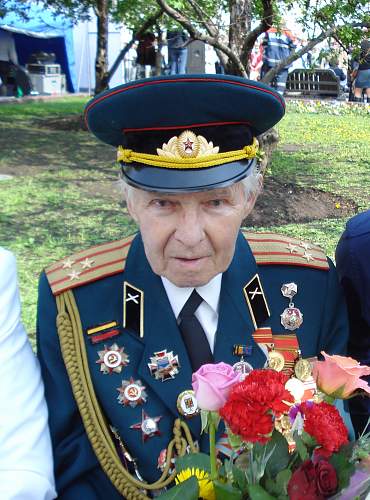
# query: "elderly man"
122 326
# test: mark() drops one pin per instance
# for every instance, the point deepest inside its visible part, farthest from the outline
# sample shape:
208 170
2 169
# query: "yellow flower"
206 491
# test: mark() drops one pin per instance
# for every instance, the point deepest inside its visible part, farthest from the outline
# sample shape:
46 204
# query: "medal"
276 361
242 368
303 369
291 317
164 365
187 404
148 426
112 359
132 393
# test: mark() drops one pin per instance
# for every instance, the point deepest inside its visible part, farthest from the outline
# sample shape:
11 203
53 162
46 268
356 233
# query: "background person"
362 74
26 464
134 318
352 257
177 42
277 45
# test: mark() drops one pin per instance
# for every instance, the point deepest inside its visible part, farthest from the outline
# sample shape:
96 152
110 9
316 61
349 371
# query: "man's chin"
189 281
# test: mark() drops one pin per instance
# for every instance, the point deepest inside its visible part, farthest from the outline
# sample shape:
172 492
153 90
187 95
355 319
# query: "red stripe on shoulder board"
106 264
94 254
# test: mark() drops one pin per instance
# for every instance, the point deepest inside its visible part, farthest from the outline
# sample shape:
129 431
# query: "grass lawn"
62 195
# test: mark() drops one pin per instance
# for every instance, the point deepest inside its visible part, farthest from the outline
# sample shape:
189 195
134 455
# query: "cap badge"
187 145
112 359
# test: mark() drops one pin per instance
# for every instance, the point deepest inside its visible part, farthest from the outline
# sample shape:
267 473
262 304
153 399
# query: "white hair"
252 184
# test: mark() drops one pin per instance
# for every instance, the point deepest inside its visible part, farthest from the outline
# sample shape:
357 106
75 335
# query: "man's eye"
216 203
161 203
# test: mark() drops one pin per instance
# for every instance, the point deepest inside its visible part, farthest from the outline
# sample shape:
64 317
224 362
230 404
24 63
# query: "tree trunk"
101 61
240 26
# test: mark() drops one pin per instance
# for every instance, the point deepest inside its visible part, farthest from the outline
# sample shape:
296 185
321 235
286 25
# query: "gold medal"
303 370
276 360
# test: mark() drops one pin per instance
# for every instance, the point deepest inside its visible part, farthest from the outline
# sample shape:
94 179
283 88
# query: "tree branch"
197 35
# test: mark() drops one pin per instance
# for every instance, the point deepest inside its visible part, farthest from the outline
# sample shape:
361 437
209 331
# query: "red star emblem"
188 145
148 426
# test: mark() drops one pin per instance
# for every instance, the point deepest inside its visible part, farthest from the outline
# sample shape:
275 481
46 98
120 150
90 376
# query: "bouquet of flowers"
285 439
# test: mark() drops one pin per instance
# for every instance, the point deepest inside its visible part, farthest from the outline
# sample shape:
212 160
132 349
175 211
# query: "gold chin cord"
97 429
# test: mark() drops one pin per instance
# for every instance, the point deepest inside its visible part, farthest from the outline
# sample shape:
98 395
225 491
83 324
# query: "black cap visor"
184 181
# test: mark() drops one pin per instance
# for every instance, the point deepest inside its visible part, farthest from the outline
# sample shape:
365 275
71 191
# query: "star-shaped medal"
112 359
132 393
148 426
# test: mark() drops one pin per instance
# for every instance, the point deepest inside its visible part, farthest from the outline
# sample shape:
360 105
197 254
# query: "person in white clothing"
26 463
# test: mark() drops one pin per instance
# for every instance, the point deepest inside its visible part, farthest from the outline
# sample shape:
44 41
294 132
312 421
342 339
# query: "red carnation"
253 402
323 422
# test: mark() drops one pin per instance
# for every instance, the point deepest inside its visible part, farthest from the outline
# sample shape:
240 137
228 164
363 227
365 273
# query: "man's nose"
190 230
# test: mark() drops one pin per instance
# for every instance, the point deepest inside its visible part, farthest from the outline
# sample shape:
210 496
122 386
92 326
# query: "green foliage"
197 460
344 468
187 490
226 491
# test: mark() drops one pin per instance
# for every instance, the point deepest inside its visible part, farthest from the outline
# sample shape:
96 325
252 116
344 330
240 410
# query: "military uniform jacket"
102 281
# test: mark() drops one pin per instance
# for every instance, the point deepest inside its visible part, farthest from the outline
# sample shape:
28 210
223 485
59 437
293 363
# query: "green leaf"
204 420
188 490
308 440
234 440
226 491
239 478
280 458
282 480
301 447
197 460
256 492
343 467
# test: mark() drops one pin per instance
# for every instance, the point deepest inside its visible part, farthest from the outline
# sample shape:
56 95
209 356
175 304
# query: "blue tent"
44 32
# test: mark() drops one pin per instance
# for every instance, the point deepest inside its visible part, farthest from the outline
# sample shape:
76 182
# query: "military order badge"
132 393
187 404
112 359
291 317
164 365
148 426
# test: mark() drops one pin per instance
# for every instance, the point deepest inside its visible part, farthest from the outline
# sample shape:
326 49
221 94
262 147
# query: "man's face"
189 238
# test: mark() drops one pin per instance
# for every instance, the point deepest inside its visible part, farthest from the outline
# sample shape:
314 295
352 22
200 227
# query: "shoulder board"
88 265
278 249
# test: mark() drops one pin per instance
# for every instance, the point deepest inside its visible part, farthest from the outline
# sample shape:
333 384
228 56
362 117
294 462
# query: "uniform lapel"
160 332
235 325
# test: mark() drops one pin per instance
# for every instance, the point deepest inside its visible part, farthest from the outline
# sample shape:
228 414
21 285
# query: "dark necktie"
193 334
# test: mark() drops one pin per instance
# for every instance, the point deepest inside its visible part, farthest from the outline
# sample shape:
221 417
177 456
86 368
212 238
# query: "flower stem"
212 449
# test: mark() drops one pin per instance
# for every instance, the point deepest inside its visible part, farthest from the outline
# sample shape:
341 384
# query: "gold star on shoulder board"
292 248
74 275
305 245
308 256
87 263
67 264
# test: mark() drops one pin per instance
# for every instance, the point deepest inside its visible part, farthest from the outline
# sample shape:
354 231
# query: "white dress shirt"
207 312
26 463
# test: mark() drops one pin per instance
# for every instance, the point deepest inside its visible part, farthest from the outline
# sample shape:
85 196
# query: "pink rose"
339 376
212 384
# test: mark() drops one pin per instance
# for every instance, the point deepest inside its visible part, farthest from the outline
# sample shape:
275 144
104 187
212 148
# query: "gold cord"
128 156
75 358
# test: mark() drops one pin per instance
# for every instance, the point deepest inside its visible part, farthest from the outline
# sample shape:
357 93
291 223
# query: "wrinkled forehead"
227 191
